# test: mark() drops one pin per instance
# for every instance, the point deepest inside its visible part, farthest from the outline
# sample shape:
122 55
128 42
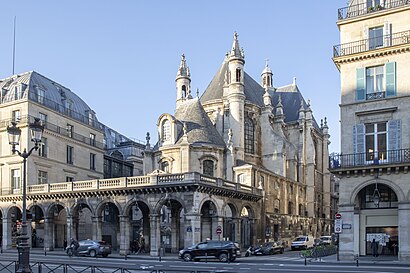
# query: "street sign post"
338 225
218 230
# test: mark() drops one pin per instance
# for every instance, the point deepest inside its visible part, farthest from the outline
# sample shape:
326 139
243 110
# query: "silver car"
91 248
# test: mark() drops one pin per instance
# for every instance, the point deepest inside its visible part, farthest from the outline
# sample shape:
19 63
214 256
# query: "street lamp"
14 133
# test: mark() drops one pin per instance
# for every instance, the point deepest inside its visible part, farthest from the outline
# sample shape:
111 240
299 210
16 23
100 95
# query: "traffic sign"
338 216
338 226
218 230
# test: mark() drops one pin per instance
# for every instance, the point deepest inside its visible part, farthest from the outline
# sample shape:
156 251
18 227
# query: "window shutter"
360 84
359 144
387 34
394 140
391 79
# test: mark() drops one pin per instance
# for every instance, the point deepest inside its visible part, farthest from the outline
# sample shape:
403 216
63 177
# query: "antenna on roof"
14 44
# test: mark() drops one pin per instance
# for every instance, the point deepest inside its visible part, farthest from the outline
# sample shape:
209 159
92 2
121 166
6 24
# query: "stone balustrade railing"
139 181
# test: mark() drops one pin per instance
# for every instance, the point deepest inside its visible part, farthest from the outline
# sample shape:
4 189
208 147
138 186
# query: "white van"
303 242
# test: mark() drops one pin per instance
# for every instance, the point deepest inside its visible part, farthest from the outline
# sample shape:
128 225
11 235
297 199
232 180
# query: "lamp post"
14 133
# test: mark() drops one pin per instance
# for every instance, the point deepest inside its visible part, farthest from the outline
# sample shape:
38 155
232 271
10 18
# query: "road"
288 262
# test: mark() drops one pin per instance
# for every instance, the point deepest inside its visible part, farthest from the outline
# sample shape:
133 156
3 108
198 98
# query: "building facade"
373 59
245 162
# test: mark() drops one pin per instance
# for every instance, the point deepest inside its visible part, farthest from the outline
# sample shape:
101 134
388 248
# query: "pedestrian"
142 244
375 248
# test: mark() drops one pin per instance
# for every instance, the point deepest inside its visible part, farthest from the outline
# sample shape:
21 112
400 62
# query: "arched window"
165 166
301 210
208 167
166 130
238 75
249 136
290 208
264 81
184 91
241 178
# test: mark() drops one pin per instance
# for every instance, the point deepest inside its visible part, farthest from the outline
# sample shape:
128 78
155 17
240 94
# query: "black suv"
222 250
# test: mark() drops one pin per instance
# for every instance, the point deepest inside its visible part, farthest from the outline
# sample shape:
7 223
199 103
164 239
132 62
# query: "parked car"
221 250
91 248
303 242
270 248
326 240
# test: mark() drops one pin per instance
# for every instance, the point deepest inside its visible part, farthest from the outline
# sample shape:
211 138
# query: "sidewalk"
363 260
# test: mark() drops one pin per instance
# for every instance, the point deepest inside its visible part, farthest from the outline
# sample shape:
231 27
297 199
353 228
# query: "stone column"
348 237
404 232
124 235
97 227
7 243
174 233
70 228
238 230
155 236
48 234
192 229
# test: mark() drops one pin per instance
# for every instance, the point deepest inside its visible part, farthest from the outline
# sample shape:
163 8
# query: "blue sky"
121 57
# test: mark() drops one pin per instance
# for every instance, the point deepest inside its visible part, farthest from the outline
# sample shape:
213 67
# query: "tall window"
249 136
70 130
277 206
70 154
40 95
374 79
15 116
43 118
42 177
92 161
165 166
166 130
184 91
69 179
208 167
376 141
68 106
375 37
92 139
15 179
42 147
238 75
290 208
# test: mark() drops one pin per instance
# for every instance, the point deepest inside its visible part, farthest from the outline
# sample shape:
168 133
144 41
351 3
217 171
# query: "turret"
183 82
267 76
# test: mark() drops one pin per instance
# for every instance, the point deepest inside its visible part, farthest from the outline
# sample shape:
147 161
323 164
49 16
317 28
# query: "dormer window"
40 95
238 75
208 167
165 166
166 130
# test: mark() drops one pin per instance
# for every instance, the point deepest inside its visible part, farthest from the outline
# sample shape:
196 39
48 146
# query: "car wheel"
70 252
93 253
223 257
247 254
187 257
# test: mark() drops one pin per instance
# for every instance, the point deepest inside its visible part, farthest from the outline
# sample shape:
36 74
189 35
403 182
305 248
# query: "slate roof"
200 128
290 94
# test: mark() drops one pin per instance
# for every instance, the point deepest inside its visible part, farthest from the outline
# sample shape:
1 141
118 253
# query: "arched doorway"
83 221
15 215
170 225
229 230
378 219
110 228
57 222
247 227
208 211
37 225
139 229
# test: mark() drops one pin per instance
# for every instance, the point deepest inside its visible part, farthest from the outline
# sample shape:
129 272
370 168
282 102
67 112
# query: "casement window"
376 82
42 177
92 139
165 166
166 130
16 116
43 118
208 167
277 206
70 130
69 179
40 95
249 136
70 154
42 147
375 37
92 161
15 179
374 143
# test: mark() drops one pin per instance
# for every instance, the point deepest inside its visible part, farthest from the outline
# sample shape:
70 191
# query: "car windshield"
300 239
325 238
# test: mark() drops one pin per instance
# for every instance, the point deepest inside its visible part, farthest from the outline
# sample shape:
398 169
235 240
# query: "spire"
267 75
183 70
236 51
279 108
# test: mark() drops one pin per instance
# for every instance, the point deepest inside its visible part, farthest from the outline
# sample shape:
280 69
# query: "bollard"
40 268
356 257
125 257
305 261
45 252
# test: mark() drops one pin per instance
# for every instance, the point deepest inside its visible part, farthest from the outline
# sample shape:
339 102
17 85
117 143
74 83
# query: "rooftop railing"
364 8
389 157
372 44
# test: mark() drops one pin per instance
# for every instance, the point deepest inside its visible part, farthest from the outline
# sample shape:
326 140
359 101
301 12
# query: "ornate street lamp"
14 133
376 193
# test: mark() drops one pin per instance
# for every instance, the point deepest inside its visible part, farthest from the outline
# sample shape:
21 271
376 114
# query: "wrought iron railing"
375 95
363 8
394 39
338 161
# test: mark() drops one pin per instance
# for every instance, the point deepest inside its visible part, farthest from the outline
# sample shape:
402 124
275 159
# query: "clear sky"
121 57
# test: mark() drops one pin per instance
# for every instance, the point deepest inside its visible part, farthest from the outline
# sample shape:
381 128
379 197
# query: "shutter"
394 140
390 79
387 34
359 144
360 84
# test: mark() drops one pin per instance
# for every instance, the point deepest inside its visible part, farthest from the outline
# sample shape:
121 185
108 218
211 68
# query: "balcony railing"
363 8
372 44
338 161
376 95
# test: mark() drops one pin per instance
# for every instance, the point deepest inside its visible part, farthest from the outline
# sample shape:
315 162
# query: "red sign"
218 230
338 216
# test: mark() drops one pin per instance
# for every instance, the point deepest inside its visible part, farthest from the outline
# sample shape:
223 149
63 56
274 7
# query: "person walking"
375 248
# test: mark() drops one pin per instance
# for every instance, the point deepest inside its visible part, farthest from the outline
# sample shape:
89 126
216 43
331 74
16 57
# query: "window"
238 75
15 179
249 136
69 179
184 91
68 106
70 130
375 37
42 177
165 166
376 82
373 3
43 118
92 161
277 206
301 210
290 208
92 139
40 95
15 116
166 130
208 167
42 147
70 152
376 141
242 178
